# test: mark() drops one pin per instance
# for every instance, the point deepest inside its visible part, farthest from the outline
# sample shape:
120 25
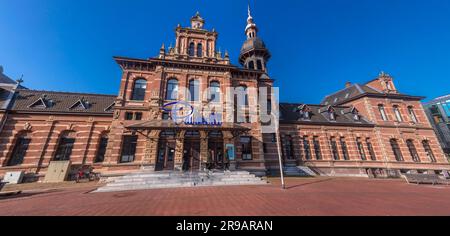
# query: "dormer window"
80 105
355 114
335 100
331 113
42 103
305 112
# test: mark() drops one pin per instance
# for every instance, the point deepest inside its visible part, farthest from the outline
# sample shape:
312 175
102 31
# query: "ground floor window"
373 157
344 149
100 157
307 148
19 151
246 145
427 147
65 147
396 149
334 148
128 148
288 147
317 150
362 153
412 150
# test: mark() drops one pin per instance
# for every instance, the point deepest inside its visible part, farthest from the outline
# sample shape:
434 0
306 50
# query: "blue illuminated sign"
183 112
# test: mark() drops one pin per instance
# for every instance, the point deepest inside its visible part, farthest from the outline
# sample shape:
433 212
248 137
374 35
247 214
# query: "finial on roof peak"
383 74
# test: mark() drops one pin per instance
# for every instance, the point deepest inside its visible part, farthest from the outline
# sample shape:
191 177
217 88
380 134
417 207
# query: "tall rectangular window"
100 157
64 149
19 151
246 145
360 146
382 112
412 115
428 150
128 148
344 149
288 147
373 157
334 149
396 149
317 150
397 113
307 148
412 150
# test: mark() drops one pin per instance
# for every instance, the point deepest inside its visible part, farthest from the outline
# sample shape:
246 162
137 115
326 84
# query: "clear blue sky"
316 45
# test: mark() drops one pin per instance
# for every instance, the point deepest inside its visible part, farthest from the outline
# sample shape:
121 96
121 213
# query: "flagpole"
277 133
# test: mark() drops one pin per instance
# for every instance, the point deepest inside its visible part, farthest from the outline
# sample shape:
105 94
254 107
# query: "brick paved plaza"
316 196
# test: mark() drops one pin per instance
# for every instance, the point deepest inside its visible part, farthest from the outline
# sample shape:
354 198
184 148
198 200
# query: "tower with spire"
254 55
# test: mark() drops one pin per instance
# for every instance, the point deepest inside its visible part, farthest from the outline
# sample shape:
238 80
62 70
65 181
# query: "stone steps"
156 180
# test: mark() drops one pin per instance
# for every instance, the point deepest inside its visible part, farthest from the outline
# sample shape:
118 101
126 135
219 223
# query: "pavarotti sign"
184 113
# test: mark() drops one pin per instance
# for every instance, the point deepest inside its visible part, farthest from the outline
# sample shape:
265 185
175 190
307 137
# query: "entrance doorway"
166 151
215 149
191 151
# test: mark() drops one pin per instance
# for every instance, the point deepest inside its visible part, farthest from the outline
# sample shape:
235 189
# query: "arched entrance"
191 151
166 151
215 149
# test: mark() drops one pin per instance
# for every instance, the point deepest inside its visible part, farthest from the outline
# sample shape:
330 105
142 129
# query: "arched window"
382 112
214 91
65 146
194 90
103 143
199 50
20 149
412 150
259 64
398 115
396 149
251 65
191 50
139 87
172 89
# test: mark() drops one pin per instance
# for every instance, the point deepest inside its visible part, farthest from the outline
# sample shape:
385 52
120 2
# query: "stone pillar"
151 148
179 147
203 149
228 139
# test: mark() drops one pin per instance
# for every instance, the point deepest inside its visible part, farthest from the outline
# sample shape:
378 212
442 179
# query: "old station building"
366 129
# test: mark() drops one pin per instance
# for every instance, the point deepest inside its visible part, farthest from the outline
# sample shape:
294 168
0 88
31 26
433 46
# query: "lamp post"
283 186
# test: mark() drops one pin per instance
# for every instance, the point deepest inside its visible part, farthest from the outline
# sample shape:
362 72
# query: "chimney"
348 84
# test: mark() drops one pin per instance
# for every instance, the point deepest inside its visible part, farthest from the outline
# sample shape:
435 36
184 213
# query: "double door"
166 155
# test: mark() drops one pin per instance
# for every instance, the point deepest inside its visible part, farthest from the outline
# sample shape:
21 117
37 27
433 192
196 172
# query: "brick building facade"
364 129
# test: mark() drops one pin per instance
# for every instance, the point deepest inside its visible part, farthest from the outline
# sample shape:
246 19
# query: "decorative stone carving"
27 126
116 114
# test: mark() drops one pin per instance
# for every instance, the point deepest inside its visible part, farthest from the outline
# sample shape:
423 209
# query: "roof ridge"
62 92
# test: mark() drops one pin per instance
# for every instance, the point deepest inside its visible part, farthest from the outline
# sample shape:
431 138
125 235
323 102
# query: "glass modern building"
438 111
